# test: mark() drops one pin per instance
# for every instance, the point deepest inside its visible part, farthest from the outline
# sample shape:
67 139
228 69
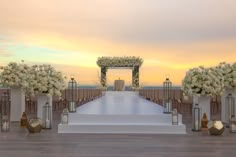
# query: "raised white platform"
121 112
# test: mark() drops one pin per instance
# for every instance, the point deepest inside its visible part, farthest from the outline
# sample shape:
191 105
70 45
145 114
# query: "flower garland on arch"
129 61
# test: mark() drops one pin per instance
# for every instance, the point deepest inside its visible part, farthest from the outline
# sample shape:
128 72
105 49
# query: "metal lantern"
196 118
230 106
5 112
72 86
174 117
47 116
232 124
65 116
167 92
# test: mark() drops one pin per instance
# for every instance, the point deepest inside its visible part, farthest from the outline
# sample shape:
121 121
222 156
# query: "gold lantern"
167 95
215 127
23 120
204 121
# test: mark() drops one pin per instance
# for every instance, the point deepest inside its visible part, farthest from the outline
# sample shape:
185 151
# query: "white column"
41 100
225 108
17 103
204 103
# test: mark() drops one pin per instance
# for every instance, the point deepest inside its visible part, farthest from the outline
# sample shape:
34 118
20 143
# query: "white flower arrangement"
129 61
46 80
229 73
32 79
15 75
203 82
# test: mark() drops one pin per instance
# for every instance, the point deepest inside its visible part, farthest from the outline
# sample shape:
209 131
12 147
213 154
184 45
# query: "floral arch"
123 62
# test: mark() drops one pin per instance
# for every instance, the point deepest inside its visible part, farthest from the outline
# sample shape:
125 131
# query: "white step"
89 118
122 128
121 112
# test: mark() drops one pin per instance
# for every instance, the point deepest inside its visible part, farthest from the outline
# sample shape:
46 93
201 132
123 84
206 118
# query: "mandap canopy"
125 62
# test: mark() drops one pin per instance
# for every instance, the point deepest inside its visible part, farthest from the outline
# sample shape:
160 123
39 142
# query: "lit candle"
47 123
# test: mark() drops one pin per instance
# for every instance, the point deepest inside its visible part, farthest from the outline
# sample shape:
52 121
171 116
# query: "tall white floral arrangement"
32 79
15 75
229 73
46 80
203 82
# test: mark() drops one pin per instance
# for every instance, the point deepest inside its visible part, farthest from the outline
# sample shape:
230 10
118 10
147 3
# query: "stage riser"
121 112
122 129
121 119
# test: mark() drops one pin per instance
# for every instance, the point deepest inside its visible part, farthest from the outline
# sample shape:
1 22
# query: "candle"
233 127
196 125
64 119
5 126
47 124
175 119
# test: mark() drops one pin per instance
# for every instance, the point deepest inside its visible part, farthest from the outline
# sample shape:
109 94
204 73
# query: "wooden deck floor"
19 143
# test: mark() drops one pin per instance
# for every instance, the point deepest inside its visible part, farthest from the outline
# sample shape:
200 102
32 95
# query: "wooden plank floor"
19 143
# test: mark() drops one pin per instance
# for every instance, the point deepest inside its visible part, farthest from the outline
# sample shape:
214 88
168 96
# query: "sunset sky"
170 35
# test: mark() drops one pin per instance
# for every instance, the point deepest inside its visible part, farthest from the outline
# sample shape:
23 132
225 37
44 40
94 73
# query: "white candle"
175 120
5 126
233 126
47 123
196 125
64 119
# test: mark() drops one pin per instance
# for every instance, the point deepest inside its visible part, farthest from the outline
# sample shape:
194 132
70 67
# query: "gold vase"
204 121
23 120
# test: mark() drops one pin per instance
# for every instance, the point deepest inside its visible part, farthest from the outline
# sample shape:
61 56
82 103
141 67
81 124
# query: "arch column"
103 79
135 76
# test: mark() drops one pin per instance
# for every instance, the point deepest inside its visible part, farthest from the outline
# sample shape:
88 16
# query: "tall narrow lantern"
230 106
47 116
5 114
174 117
167 93
232 125
196 118
65 116
72 86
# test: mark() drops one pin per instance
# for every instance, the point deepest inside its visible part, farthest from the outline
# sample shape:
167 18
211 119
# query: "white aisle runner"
121 112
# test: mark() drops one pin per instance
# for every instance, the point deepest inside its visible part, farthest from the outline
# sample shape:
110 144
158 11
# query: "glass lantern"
230 106
65 116
5 112
232 125
47 116
174 117
72 95
196 118
167 92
